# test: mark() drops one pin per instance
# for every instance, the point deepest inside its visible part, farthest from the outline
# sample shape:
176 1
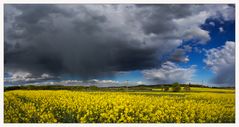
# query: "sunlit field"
214 90
65 106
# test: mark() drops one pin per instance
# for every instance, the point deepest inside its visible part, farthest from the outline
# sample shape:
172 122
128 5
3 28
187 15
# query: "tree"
176 87
93 88
187 87
166 88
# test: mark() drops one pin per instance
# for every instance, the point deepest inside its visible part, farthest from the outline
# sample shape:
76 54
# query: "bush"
186 88
176 87
93 88
165 89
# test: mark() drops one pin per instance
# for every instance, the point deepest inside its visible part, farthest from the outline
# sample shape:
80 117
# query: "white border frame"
114 2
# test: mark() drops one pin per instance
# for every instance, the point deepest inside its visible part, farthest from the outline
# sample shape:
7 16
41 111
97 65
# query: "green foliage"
186 88
166 88
93 88
176 87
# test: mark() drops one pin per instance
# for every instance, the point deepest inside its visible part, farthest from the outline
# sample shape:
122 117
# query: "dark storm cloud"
161 17
74 45
93 40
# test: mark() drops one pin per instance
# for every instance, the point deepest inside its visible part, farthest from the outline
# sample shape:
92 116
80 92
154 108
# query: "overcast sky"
110 44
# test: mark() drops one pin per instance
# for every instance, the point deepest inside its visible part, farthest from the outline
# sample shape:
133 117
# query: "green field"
199 89
200 105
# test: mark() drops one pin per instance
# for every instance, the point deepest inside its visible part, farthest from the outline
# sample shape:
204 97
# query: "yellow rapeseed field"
52 106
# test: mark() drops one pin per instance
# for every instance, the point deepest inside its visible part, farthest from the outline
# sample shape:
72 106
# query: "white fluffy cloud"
221 29
197 34
189 27
212 23
24 77
92 82
18 76
170 73
110 83
221 61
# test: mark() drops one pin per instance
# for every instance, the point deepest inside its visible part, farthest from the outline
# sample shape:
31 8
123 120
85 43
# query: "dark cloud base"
56 40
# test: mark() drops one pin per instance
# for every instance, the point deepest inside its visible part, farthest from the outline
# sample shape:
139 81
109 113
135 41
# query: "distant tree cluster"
166 88
176 87
187 88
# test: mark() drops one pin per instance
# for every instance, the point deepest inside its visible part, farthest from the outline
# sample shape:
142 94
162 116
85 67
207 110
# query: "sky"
114 45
